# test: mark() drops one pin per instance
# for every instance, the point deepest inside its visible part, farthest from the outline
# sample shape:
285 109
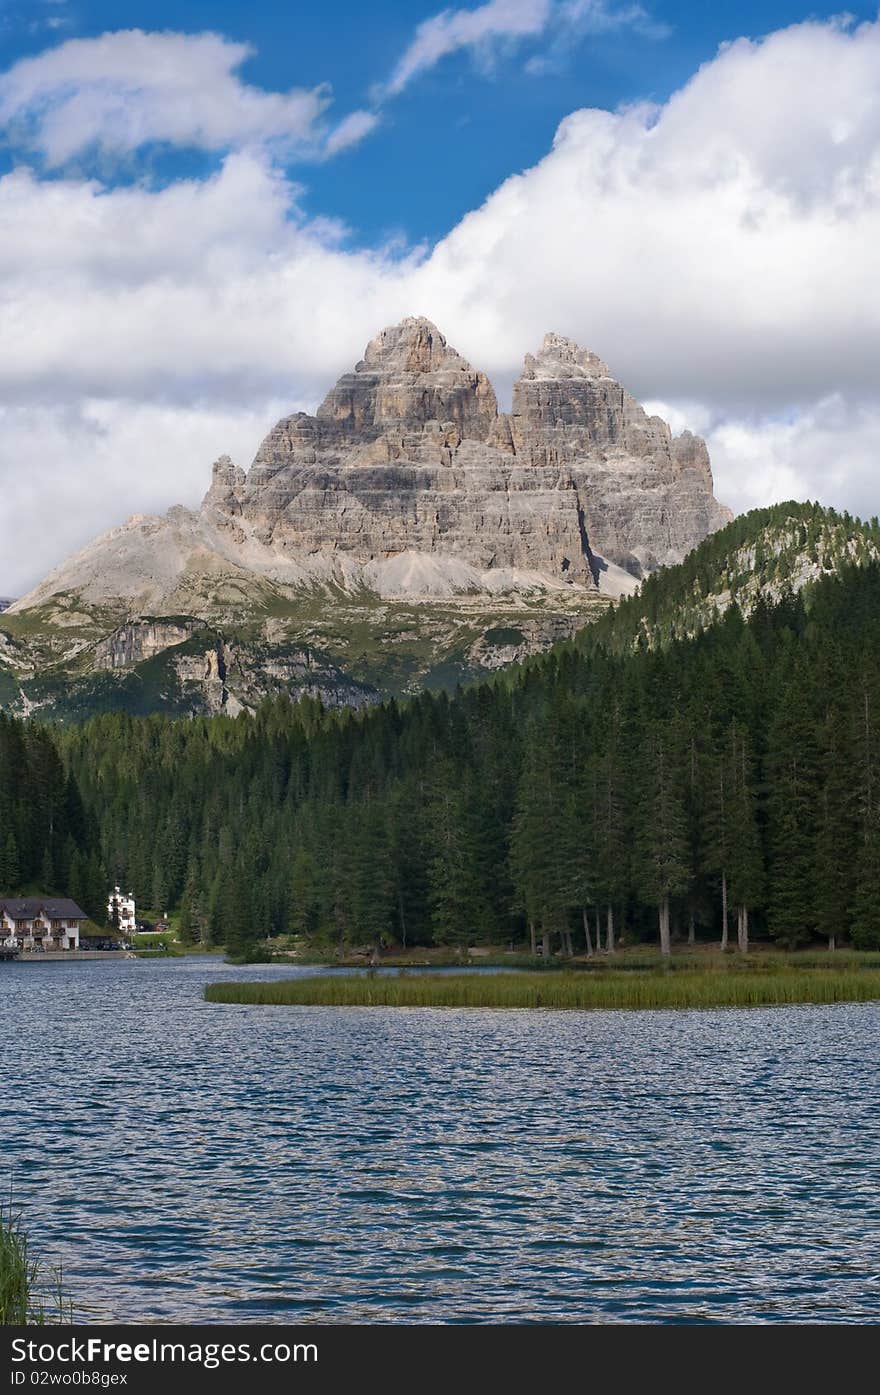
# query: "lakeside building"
127 919
40 922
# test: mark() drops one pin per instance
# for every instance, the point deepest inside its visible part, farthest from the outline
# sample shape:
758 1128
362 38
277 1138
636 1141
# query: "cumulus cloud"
830 451
719 251
210 289
128 89
718 246
71 471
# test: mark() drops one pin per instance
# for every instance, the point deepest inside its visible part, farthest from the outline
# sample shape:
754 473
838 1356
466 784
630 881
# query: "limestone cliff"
407 486
409 454
409 481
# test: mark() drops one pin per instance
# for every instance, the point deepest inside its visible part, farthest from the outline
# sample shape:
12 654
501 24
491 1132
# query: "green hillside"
629 786
758 557
722 787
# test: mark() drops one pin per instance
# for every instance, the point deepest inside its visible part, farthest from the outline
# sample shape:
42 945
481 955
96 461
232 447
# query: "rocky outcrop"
409 379
409 454
406 487
409 482
232 676
131 644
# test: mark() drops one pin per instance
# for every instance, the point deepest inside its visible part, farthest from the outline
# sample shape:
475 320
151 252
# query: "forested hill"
644 789
757 557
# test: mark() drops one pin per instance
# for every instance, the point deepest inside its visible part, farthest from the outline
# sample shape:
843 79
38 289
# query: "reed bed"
751 987
17 1274
24 1280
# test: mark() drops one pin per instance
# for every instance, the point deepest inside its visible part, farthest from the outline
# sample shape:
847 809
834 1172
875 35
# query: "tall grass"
24 1280
612 989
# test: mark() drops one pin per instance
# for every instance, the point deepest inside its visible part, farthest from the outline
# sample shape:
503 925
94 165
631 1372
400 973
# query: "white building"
40 922
127 923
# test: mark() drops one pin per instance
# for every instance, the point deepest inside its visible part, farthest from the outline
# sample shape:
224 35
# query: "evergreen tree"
837 842
865 906
745 861
662 868
9 867
792 804
304 903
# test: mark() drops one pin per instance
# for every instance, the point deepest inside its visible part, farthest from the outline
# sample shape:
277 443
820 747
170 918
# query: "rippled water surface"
201 1163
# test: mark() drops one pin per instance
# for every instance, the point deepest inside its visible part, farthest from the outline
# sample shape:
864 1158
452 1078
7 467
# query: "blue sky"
457 130
207 209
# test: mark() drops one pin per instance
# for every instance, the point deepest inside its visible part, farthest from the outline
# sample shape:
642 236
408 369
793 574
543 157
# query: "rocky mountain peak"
559 357
566 405
227 479
408 456
415 345
226 472
409 376
409 481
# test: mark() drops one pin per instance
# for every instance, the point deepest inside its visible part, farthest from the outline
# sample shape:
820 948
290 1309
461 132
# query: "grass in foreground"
611 989
21 1279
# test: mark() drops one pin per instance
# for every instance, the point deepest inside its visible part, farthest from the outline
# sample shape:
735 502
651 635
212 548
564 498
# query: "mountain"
757 559
409 534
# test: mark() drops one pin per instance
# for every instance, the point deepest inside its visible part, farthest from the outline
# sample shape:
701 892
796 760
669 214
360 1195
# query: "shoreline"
68 956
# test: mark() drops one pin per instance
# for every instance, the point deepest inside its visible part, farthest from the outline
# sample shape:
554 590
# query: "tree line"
48 841
717 788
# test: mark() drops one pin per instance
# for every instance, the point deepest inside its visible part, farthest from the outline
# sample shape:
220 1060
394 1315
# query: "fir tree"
662 845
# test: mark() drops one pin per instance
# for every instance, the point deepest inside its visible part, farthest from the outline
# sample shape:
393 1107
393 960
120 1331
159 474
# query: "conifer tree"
792 804
745 861
662 842
304 903
9 868
837 841
610 840
865 909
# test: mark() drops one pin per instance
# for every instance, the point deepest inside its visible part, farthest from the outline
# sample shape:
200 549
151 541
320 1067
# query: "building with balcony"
127 922
40 922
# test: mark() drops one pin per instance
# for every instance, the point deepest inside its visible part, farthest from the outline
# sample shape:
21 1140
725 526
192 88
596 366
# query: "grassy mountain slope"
67 660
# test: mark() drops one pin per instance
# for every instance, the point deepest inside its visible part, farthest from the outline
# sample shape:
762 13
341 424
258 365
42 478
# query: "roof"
26 908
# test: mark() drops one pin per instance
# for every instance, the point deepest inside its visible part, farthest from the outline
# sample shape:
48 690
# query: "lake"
202 1163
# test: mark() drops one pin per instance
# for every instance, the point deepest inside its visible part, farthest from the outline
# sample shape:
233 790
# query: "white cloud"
127 89
209 289
351 131
452 30
69 472
500 23
720 246
829 451
720 252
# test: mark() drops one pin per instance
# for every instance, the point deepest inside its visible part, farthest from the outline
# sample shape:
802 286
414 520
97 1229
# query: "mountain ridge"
407 534
363 650
408 456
